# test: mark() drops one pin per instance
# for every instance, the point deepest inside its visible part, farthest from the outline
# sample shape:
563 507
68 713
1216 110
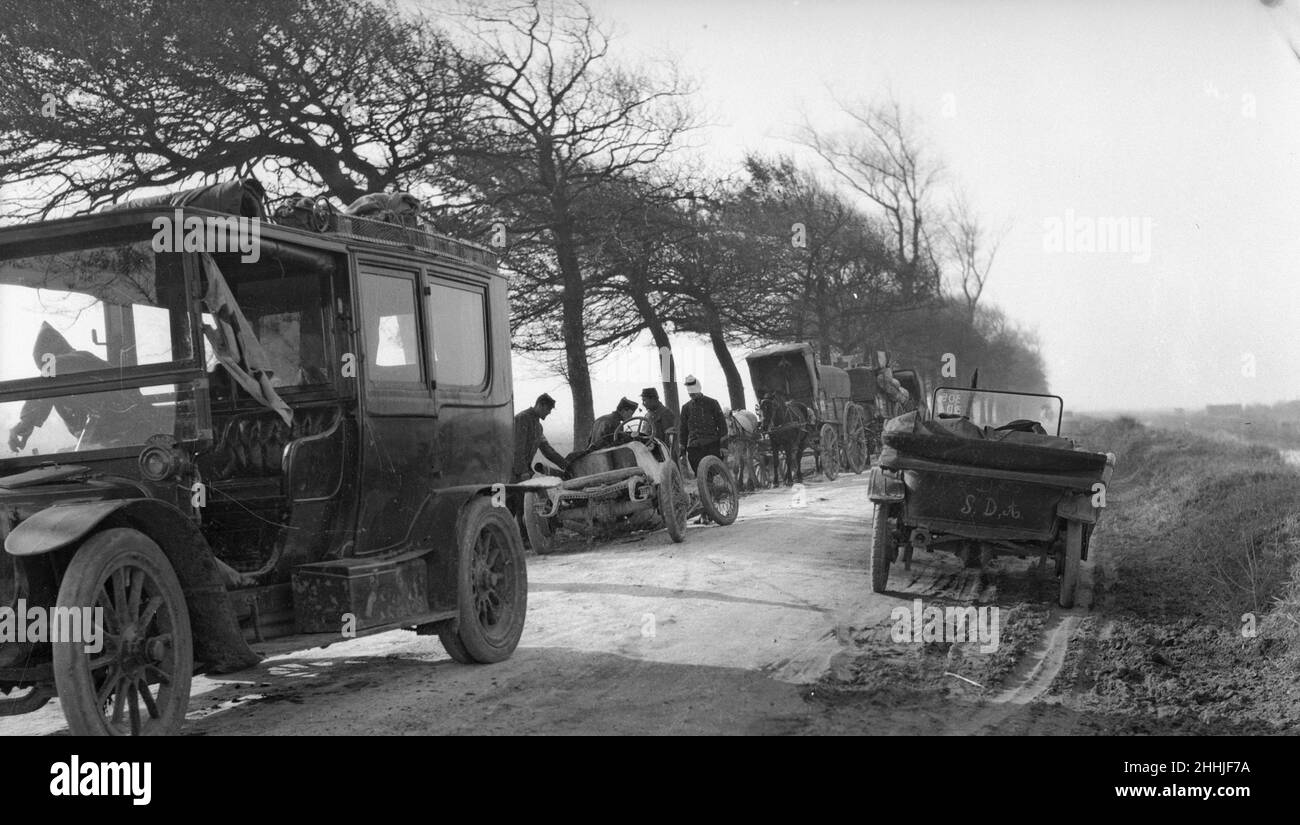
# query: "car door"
399 462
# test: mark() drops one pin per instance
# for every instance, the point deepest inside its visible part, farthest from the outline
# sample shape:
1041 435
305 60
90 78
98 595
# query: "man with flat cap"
529 439
703 425
608 429
661 416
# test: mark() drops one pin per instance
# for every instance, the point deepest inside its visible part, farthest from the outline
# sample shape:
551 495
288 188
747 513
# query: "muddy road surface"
766 626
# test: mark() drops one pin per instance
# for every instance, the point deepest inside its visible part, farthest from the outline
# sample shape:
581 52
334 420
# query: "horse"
787 425
742 447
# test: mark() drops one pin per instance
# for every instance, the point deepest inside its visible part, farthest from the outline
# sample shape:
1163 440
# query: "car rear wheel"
138 682
493 586
880 550
1072 561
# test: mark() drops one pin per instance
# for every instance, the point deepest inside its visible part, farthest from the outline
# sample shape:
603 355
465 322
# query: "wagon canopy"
786 368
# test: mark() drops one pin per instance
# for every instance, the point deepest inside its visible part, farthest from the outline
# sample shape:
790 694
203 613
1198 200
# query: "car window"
459 331
390 326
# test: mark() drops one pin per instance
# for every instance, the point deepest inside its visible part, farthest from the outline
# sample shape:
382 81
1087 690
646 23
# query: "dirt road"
766 626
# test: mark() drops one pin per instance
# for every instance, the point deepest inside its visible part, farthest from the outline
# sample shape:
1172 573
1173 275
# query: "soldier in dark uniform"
608 429
703 425
663 418
529 438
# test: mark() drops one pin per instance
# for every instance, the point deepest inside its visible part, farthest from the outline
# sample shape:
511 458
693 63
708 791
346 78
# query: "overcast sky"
1181 119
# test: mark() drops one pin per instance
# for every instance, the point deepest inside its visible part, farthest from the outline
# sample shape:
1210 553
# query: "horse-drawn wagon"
808 406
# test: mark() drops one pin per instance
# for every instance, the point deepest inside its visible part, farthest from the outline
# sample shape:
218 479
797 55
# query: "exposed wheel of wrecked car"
673 503
717 489
493 586
880 538
138 684
540 536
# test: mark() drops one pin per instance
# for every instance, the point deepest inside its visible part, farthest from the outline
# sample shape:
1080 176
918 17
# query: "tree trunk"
575 334
735 386
667 365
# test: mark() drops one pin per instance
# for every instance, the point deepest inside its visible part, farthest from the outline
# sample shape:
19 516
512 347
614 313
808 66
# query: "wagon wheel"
778 468
762 470
138 683
874 431
828 452
717 489
857 447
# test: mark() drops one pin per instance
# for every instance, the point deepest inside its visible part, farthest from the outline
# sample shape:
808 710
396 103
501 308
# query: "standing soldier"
529 439
703 425
663 418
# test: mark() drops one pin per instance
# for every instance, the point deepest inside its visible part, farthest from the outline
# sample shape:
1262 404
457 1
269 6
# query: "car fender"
218 642
437 529
885 486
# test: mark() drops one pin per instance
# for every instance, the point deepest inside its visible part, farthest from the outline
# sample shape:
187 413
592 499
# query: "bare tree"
565 122
972 246
881 158
99 99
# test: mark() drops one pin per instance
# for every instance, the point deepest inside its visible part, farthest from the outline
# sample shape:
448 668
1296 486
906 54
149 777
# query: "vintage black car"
217 429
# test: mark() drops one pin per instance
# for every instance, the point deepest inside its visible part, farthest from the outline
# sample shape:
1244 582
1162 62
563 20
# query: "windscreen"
89 312
989 408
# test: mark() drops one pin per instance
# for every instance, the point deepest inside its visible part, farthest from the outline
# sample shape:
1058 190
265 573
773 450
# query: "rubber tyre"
1073 554
149 618
880 534
673 506
492 589
540 536
722 510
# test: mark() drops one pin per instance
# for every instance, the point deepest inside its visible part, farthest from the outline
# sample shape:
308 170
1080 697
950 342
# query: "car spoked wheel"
491 591
134 678
493 587
717 490
674 502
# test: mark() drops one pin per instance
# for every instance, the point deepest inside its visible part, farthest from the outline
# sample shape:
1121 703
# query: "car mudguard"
218 643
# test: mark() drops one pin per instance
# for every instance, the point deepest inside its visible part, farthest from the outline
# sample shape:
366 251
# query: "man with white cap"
703 425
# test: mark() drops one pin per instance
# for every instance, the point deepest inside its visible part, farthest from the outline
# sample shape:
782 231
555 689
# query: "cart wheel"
857 448
540 535
880 547
674 504
762 472
828 452
1073 553
492 586
717 489
138 684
